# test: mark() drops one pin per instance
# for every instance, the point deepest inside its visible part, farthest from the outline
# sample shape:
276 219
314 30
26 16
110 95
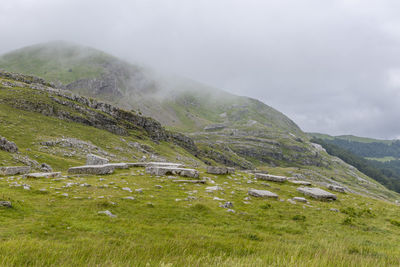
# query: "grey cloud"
326 64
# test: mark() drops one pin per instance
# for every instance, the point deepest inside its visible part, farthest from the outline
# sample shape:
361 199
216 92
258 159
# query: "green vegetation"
48 229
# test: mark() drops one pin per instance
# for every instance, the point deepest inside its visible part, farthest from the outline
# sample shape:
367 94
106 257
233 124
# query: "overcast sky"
332 66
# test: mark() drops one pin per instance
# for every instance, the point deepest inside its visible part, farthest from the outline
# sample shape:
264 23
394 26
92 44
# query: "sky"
331 66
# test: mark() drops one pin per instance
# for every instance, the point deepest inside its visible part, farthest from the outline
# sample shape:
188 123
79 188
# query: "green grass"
384 159
49 229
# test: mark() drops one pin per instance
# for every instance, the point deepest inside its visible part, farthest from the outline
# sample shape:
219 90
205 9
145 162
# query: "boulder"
46 167
317 193
336 188
44 175
92 169
8 145
92 159
262 193
14 170
220 170
6 204
155 164
161 171
299 182
270 177
300 199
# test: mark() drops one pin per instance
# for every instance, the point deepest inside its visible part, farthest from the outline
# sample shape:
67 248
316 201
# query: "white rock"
127 189
262 193
108 213
317 193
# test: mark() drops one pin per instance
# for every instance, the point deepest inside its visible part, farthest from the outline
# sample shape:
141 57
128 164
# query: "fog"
331 66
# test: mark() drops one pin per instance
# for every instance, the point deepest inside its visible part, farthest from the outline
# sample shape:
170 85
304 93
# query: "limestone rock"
300 199
299 182
108 213
161 171
46 167
44 175
92 169
220 170
5 204
14 170
336 188
317 193
8 145
270 177
92 159
118 165
262 193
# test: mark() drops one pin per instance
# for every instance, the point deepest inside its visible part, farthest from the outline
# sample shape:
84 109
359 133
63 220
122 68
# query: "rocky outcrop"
317 193
8 145
161 171
220 170
44 175
270 177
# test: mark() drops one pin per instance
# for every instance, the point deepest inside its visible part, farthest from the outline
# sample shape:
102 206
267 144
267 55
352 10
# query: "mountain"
132 218
239 130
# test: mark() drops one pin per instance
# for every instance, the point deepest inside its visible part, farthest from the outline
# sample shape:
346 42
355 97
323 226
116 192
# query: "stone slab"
14 170
162 171
270 177
220 170
262 193
317 193
44 175
92 169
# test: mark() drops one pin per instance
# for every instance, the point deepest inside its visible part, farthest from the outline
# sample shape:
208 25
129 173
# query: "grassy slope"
351 138
50 229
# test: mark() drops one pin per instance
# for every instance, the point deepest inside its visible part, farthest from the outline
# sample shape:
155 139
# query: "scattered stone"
266 184
317 193
14 170
43 190
108 213
334 210
92 159
291 201
127 189
43 175
218 199
300 199
158 186
270 177
85 185
336 188
162 171
139 190
262 193
231 211
220 170
92 169
65 194
130 198
6 204
27 187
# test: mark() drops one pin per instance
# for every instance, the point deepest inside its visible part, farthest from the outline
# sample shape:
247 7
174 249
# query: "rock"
8 145
300 199
218 199
43 175
299 182
291 201
270 177
85 185
227 205
139 190
108 213
130 198
92 159
155 164
262 193
64 195
46 167
220 170
317 193
92 169
162 171
336 188
214 188
190 181
27 187
118 165
6 204
14 170
158 186
127 189
230 211
334 210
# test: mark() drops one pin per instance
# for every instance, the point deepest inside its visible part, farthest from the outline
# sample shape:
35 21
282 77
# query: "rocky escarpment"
63 104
